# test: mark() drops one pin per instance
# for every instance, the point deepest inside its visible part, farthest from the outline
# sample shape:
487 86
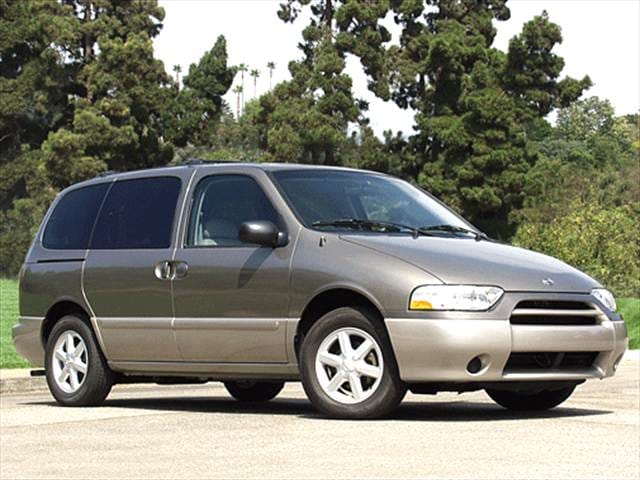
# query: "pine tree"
198 106
472 101
122 92
306 119
34 92
80 92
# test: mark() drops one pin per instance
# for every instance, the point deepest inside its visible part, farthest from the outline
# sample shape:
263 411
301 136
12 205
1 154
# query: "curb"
22 384
20 380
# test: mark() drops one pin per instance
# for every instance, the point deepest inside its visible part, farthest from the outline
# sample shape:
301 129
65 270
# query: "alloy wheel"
70 361
349 365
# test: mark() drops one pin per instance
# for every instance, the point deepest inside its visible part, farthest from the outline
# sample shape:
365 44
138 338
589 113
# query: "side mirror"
262 233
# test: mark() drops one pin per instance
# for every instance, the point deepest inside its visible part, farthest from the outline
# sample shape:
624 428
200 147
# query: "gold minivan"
356 283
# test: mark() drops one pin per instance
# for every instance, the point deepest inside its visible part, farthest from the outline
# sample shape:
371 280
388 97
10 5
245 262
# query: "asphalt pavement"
200 432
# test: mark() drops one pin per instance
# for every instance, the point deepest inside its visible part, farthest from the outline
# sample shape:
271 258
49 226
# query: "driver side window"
221 203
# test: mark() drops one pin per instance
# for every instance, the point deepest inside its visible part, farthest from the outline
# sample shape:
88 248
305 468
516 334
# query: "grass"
8 317
628 307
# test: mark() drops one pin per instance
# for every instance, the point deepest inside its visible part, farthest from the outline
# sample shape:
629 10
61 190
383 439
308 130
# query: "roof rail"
106 173
199 161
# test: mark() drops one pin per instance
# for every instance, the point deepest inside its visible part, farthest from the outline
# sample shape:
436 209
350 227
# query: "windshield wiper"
361 223
455 229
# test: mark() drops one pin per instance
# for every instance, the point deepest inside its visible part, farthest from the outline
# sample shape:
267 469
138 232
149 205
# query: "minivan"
358 284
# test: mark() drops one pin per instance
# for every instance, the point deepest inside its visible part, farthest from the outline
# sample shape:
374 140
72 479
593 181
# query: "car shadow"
461 411
458 411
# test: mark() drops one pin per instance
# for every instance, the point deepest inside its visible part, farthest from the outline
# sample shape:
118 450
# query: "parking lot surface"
200 432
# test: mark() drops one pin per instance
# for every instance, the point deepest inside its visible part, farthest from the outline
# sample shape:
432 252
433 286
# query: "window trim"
192 198
174 219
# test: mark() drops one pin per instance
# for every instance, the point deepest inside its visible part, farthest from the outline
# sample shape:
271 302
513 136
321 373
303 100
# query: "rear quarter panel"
45 284
42 285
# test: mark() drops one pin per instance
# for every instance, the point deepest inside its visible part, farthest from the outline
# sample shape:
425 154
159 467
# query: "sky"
601 39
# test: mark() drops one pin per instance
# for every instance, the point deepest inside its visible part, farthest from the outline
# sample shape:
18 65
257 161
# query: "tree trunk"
314 156
330 156
87 52
328 13
242 93
87 44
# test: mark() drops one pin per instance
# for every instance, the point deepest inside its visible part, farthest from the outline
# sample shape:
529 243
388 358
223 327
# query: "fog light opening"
478 364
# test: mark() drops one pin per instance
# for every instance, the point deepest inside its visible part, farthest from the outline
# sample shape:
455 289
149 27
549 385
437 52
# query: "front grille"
554 312
520 361
554 305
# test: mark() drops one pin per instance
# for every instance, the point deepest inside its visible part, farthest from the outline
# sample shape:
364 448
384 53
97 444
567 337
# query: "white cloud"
601 39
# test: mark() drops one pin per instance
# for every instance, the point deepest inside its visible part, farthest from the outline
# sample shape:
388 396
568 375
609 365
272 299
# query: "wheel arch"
331 298
57 311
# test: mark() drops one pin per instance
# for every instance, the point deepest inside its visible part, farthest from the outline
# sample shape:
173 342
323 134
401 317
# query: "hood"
465 261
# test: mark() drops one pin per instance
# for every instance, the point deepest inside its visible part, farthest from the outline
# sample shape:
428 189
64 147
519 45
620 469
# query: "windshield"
321 197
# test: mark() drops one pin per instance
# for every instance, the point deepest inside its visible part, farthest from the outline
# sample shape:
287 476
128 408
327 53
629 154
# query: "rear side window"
70 224
137 214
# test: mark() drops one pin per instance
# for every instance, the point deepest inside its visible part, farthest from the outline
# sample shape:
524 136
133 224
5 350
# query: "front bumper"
439 349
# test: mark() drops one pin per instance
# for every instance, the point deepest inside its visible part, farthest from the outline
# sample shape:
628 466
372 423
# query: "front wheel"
523 401
253 391
347 366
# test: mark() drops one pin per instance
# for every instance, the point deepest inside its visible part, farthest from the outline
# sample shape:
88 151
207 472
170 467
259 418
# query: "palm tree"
255 73
271 66
178 70
242 68
238 91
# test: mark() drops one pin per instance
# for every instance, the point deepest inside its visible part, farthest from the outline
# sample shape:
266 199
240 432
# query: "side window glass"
137 214
221 203
70 224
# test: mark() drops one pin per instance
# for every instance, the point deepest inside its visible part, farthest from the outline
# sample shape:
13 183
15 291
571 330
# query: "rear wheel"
347 366
523 401
77 372
253 391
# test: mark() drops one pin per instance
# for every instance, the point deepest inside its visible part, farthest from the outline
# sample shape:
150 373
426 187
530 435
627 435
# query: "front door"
124 269
230 298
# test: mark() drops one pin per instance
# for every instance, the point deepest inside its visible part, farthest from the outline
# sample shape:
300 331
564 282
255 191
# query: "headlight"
454 297
605 297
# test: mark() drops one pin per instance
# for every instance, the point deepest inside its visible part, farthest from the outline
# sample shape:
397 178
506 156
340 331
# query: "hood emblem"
547 281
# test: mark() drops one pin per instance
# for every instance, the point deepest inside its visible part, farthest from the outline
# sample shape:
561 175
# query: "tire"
92 386
371 388
252 391
521 401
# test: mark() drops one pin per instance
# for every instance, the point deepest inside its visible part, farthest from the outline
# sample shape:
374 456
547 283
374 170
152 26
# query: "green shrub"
629 308
602 241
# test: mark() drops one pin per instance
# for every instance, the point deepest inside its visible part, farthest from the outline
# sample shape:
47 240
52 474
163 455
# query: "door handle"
170 270
162 270
179 269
